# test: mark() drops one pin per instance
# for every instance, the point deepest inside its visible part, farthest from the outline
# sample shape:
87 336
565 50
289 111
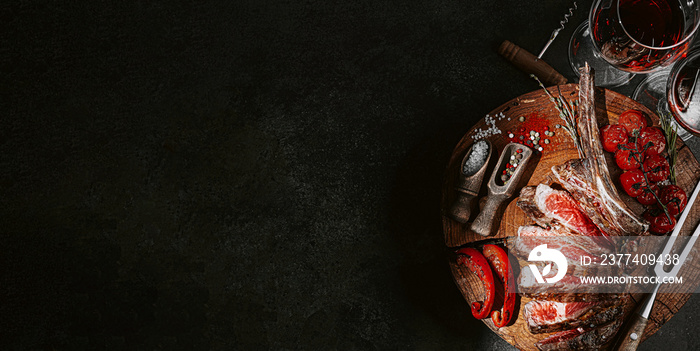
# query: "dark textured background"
250 174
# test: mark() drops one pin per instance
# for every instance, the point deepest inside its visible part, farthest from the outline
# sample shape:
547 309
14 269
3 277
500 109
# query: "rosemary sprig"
567 112
671 135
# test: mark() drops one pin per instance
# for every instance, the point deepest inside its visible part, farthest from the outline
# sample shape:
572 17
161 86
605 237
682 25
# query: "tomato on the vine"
647 197
633 182
659 222
633 121
612 135
626 157
674 198
651 140
656 168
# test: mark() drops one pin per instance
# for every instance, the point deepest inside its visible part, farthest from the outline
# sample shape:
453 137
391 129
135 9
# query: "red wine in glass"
640 35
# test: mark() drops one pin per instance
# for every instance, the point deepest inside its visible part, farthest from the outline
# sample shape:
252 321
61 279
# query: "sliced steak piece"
575 176
581 338
551 316
526 202
569 284
572 245
549 207
571 297
561 206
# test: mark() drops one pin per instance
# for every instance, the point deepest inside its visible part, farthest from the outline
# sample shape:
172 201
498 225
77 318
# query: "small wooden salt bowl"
499 191
468 187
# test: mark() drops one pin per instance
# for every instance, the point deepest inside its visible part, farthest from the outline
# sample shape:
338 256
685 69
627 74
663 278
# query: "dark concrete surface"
247 175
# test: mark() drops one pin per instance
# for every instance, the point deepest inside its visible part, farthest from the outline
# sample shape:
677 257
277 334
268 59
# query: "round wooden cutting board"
536 107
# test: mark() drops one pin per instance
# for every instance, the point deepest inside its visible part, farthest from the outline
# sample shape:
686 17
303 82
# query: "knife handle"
633 333
528 63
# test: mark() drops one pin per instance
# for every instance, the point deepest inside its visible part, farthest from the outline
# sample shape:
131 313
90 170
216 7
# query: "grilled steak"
581 338
570 297
582 218
607 210
570 283
575 176
551 316
572 245
526 202
560 206
549 207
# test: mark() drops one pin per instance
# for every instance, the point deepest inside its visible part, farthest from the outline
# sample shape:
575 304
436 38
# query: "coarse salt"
490 130
477 157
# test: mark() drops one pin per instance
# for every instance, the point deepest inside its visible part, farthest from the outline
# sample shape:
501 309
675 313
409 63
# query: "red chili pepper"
478 265
500 264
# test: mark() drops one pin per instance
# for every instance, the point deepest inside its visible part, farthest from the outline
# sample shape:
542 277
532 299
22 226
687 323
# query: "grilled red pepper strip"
478 265
498 259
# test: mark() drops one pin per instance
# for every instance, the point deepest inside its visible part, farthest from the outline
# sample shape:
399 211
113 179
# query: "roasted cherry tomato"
656 167
626 157
659 222
633 121
477 264
498 259
611 135
651 140
674 198
633 182
647 197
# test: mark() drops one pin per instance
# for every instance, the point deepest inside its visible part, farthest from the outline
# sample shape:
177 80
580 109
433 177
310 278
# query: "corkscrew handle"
528 63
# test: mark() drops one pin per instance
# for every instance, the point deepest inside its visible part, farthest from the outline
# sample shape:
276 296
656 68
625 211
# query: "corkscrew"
556 31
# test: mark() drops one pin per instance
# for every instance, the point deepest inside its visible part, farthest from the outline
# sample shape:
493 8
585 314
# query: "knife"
529 63
635 327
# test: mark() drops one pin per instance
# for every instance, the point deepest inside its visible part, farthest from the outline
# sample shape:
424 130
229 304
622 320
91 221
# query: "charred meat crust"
526 202
570 297
597 314
581 338
613 208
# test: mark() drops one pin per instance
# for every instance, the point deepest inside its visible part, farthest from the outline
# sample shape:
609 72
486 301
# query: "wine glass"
683 95
674 91
654 93
624 37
